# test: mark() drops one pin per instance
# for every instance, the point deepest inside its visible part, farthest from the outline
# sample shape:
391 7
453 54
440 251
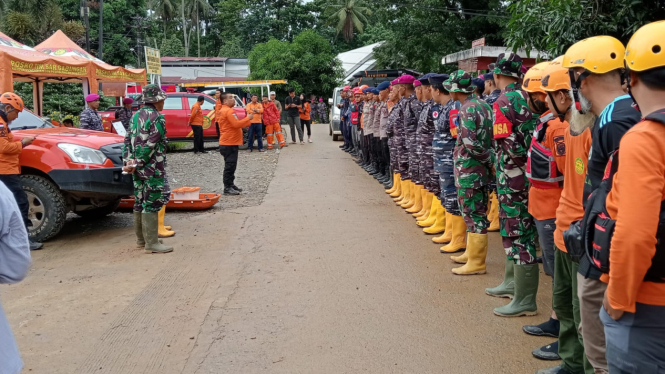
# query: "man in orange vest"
231 128
196 123
10 150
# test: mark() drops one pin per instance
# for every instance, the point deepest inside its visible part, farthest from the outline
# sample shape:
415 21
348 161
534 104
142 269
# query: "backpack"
541 168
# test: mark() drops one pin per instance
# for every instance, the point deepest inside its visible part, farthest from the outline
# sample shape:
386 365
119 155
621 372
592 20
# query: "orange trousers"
277 130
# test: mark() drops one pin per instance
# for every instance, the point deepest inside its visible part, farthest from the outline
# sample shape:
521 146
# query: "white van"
335 113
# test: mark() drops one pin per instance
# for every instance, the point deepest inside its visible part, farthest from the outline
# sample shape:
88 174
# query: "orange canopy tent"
19 62
60 45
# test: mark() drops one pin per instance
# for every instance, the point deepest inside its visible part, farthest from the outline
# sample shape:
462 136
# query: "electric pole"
84 14
100 52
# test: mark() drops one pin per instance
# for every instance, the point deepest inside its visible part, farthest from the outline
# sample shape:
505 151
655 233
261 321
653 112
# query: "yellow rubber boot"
448 234
427 204
431 219
440 225
406 191
162 232
418 202
395 184
411 198
459 236
461 259
398 184
493 213
476 250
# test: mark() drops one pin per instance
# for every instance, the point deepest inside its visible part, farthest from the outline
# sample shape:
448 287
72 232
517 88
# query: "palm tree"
163 10
348 15
200 7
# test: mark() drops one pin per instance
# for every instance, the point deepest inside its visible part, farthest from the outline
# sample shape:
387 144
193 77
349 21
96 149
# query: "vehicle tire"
48 209
99 212
245 136
330 127
335 137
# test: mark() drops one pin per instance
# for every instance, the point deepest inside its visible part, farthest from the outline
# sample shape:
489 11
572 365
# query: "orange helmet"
555 76
533 77
13 100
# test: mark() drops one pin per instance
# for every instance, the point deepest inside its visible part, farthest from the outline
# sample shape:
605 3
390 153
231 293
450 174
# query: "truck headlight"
335 118
83 155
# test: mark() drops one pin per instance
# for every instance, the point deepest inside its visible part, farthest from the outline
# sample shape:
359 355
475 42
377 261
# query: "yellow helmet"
598 54
555 76
532 78
645 50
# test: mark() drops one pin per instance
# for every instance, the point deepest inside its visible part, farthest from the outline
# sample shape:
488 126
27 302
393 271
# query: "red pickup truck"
177 110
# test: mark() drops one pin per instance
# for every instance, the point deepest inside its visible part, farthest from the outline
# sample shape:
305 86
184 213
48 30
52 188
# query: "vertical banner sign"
153 61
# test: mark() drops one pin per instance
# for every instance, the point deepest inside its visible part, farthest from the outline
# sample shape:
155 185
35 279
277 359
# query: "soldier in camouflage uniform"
144 155
393 117
425 137
490 96
410 111
473 159
322 108
514 124
404 87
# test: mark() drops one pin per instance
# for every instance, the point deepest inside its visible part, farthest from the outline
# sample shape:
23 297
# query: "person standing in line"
256 128
634 302
144 155
425 137
322 108
314 108
381 123
89 118
231 139
473 159
491 91
196 123
292 105
124 114
353 116
271 120
305 117
14 265
218 106
343 121
490 95
10 150
596 81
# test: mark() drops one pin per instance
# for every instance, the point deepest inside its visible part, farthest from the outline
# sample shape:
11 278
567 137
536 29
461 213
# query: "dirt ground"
323 274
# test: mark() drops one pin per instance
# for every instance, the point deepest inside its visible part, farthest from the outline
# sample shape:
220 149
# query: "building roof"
358 59
180 80
194 59
486 51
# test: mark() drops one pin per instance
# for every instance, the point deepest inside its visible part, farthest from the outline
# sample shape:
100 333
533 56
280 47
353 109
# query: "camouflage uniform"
443 146
473 154
323 111
491 98
411 111
393 117
400 138
513 128
91 120
428 174
145 143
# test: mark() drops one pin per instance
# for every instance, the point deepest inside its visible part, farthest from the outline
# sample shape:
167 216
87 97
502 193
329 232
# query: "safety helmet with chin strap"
596 55
556 78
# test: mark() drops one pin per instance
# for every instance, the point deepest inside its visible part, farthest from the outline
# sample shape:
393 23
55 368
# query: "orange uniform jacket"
543 202
230 127
570 204
271 114
9 151
257 116
305 111
196 118
634 202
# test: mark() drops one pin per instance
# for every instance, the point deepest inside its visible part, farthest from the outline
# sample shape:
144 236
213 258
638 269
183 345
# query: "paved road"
327 275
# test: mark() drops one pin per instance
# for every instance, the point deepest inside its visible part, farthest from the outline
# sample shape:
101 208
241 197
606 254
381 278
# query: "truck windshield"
27 120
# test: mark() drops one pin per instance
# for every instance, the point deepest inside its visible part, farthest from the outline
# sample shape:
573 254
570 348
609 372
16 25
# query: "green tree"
308 63
31 21
554 25
233 48
172 47
348 15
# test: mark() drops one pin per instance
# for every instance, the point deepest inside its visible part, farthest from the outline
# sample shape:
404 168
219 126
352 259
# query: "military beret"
383 86
375 91
425 79
488 76
478 82
406 79
92 97
437 79
417 83
394 81
367 89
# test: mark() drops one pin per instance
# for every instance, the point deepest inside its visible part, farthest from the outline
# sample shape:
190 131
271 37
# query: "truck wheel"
335 137
48 209
330 127
99 212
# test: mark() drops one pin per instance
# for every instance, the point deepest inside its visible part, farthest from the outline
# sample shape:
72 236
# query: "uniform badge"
435 114
503 128
453 122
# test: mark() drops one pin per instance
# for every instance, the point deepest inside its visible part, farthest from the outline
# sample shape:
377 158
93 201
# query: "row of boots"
379 172
149 227
520 282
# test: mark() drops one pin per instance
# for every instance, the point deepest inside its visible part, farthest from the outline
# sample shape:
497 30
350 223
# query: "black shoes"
35 245
549 328
236 188
231 191
548 352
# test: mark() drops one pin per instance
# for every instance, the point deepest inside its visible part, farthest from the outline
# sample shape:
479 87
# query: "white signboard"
119 128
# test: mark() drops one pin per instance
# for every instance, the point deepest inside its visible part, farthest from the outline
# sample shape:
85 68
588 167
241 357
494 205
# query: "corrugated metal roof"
179 80
194 59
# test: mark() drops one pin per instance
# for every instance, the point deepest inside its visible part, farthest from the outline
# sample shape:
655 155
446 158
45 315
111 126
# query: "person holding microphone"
231 128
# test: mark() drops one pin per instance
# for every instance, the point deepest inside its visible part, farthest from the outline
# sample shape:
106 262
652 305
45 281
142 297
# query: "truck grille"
113 152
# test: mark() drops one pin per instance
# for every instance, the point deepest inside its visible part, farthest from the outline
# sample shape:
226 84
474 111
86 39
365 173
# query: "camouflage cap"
508 64
459 81
152 93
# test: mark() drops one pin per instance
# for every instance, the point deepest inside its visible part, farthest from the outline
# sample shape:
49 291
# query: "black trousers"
198 138
230 154
308 123
13 183
385 153
376 150
366 153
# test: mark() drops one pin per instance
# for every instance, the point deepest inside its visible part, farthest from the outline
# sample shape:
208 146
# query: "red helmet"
12 99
